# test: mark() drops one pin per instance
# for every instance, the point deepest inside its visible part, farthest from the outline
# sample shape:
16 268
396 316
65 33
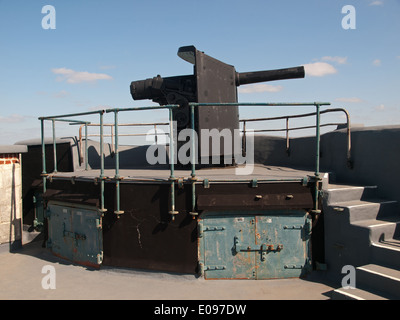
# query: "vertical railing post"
155 135
86 147
287 137
349 159
116 155
44 173
112 133
54 145
244 147
102 209
317 159
172 178
193 178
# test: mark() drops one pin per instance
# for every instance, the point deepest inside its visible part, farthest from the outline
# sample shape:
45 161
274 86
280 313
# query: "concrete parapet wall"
375 154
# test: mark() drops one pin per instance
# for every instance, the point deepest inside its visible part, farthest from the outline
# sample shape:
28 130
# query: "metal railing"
101 177
172 179
287 129
112 134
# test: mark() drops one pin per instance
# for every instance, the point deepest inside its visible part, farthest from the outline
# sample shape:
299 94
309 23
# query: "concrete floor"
21 278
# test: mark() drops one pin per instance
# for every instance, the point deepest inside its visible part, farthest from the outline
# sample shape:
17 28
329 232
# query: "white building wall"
10 199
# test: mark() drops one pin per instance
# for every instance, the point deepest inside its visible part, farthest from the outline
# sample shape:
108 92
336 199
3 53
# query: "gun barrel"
269 75
146 89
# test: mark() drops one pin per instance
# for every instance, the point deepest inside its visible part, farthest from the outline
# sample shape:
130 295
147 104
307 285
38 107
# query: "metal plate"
75 233
289 231
259 246
220 260
211 74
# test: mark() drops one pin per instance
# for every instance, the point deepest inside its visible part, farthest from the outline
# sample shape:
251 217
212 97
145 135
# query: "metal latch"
264 248
73 235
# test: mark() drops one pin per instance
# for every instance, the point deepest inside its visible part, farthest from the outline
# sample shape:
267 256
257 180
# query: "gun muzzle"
269 75
146 89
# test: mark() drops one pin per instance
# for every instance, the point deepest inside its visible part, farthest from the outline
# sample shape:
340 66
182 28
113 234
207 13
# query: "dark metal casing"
212 81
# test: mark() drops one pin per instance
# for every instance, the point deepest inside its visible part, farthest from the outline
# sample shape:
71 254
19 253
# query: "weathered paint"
145 237
254 245
74 233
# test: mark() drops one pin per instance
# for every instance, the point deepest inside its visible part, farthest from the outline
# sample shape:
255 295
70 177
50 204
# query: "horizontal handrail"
299 115
261 104
287 129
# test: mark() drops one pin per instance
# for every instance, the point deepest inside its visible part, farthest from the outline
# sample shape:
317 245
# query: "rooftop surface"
21 278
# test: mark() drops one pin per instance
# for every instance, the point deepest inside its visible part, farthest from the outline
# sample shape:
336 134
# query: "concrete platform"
21 278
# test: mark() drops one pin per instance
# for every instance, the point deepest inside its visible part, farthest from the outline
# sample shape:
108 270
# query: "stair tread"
375 222
353 203
359 294
388 243
333 187
382 271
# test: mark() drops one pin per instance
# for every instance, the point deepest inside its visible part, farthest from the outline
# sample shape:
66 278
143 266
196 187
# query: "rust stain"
82 263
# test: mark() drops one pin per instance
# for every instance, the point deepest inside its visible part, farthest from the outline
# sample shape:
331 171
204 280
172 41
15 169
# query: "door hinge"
293 266
208 268
202 229
292 227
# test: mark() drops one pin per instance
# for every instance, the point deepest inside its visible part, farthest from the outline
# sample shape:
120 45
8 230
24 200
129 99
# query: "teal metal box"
259 245
75 233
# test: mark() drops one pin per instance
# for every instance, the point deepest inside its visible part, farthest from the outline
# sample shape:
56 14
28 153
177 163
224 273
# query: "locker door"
284 243
219 238
267 245
75 233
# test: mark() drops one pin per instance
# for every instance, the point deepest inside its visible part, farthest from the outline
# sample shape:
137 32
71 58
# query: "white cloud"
376 62
381 107
257 88
338 60
72 76
319 69
376 3
13 118
351 100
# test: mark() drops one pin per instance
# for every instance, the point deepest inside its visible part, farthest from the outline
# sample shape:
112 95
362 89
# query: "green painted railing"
172 178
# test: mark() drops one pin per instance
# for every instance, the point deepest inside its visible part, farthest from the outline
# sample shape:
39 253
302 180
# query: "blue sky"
99 47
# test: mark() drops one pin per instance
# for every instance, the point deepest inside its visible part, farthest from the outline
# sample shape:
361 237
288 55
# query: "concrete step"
378 229
386 252
379 278
335 193
355 294
357 210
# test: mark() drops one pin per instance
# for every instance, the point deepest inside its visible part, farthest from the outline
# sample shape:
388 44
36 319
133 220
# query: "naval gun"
213 81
